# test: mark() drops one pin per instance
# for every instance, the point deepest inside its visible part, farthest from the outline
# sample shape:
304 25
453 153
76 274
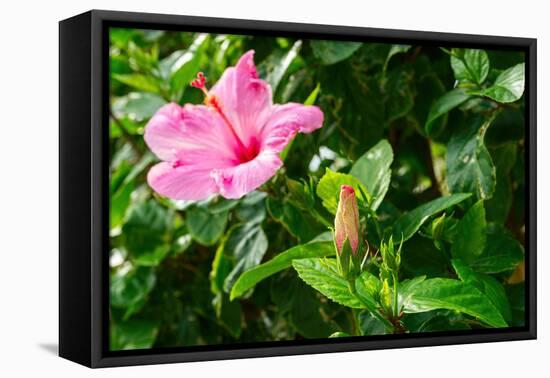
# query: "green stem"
389 326
395 296
355 325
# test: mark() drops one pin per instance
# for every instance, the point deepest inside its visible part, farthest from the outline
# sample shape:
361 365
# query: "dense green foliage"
431 138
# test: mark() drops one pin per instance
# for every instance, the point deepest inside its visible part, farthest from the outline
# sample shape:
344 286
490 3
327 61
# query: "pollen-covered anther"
200 83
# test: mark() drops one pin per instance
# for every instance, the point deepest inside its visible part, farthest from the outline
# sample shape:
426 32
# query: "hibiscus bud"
346 223
391 259
386 296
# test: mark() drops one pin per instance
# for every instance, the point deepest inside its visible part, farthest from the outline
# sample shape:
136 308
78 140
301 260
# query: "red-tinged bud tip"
348 189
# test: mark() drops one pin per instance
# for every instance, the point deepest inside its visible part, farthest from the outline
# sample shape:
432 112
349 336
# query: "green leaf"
246 246
129 289
443 105
502 252
399 99
329 186
407 225
516 295
297 222
137 106
293 297
508 86
146 232
504 158
119 203
444 293
183 65
469 164
421 257
368 286
282 261
436 320
370 325
487 285
252 207
218 204
431 88
182 243
221 267
310 100
305 313
282 288
470 65
394 50
373 170
120 37
206 228
229 314
469 241
330 52
336 335
121 186
299 194
508 127
359 117
321 275
274 67
142 58
138 81
133 334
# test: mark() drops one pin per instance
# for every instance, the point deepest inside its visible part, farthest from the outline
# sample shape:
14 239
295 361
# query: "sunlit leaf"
330 52
280 262
436 293
470 65
373 170
321 275
469 164
329 187
407 225
469 241
509 85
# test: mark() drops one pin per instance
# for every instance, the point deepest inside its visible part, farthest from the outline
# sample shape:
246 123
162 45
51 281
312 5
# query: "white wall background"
29 188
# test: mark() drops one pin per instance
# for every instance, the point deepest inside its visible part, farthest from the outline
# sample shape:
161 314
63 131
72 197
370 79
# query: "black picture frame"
83 194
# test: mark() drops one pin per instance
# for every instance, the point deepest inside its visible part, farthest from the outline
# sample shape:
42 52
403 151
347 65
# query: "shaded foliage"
432 141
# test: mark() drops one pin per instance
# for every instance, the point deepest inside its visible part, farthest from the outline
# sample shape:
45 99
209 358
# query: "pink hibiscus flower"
231 144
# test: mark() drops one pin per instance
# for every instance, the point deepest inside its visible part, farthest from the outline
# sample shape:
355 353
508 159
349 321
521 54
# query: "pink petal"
164 133
235 182
287 120
245 99
181 182
194 140
174 129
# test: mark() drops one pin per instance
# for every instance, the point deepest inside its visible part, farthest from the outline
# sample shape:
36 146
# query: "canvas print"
274 188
